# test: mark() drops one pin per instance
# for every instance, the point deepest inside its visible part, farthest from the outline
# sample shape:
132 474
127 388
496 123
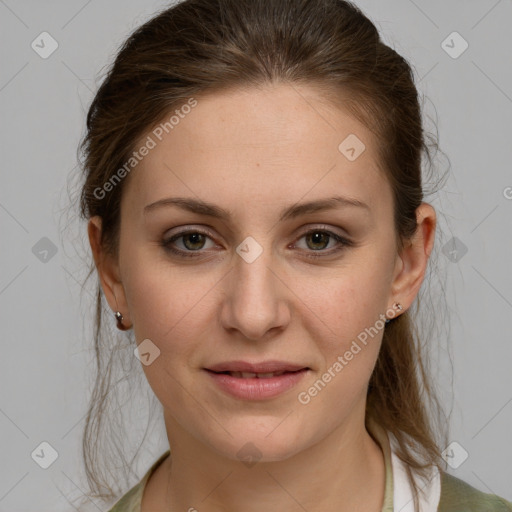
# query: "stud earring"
396 306
119 318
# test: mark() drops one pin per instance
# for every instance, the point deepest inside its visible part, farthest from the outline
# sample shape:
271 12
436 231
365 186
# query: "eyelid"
319 227
189 229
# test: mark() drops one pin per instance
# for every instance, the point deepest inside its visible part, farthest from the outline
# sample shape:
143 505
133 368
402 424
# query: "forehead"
258 146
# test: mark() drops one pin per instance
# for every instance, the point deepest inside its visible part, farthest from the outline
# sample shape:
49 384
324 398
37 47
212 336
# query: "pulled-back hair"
204 46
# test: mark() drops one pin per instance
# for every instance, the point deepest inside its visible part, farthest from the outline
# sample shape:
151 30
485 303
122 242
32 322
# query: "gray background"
45 365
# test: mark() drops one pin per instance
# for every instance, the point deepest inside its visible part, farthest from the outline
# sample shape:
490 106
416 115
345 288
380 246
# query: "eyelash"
345 243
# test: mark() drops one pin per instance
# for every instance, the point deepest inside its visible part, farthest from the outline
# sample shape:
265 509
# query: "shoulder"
131 501
459 496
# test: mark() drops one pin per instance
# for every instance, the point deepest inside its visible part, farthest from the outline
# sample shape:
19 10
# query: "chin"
256 445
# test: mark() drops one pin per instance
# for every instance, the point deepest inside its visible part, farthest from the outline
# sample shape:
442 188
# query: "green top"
454 495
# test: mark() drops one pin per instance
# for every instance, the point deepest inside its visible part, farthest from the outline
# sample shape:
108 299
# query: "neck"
343 472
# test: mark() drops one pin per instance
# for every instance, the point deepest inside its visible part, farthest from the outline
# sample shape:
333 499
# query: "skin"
255 152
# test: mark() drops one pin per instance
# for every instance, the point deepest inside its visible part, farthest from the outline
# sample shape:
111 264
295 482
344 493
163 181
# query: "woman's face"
252 285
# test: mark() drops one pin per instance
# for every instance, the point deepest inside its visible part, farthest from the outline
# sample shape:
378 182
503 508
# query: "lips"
256 381
264 369
251 375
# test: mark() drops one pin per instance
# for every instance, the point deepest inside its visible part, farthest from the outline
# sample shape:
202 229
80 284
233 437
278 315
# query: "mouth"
251 369
265 381
257 375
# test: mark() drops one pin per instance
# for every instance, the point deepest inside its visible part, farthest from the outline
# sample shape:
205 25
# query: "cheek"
172 307
162 298
344 304
343 315
167 307
347 331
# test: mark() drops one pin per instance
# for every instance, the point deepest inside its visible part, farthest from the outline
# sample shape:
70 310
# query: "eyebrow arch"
204 208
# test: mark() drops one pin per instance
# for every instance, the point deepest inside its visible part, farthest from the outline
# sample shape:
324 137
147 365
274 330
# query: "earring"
119 318
397 306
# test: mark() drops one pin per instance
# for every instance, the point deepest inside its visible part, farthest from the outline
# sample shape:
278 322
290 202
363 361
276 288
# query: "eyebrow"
204 208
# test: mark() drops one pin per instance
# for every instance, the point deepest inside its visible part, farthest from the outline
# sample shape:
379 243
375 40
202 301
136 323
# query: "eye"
318 239
191 241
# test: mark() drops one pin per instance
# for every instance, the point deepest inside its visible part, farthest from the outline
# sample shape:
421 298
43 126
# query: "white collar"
402 492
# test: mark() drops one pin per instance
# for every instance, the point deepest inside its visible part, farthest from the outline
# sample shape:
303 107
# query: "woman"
256 216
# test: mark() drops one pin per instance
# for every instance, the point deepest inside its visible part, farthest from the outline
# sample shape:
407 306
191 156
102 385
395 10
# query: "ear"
108 271
412 261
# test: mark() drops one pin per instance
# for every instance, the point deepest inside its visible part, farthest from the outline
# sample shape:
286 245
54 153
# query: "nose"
256 298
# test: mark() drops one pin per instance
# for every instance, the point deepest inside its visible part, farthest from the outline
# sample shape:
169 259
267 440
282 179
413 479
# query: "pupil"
194 237
317 238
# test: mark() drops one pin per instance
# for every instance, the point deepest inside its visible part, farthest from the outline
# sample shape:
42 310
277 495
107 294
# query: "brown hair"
202 46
